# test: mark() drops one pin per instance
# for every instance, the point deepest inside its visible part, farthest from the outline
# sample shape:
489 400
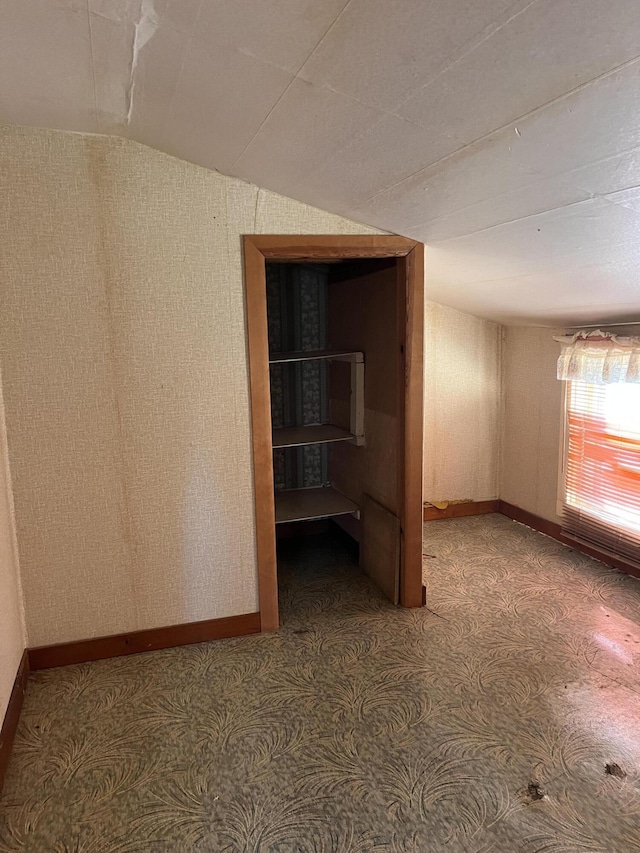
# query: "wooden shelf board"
344 355
308 504
319 434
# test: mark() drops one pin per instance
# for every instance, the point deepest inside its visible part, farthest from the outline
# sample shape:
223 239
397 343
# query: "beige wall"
122 341
12 637
462 405
532 420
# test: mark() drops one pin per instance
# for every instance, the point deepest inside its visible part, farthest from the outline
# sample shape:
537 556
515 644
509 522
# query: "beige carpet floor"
505 717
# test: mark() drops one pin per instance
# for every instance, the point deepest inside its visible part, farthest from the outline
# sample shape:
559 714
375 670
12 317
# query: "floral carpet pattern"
505 717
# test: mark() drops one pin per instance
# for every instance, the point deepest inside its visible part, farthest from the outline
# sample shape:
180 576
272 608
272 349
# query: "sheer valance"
599 358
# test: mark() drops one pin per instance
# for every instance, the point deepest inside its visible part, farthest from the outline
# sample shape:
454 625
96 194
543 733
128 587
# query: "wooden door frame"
410 255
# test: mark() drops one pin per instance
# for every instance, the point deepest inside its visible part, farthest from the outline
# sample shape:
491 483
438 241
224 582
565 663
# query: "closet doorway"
353 453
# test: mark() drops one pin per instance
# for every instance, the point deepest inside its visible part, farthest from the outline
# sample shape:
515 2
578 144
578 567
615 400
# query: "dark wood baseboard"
554 530
153 639
12 715
543 525
460 510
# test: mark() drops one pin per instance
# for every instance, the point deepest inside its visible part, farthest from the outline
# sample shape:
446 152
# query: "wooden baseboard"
460 510
554 530
549 528
133 643
12 715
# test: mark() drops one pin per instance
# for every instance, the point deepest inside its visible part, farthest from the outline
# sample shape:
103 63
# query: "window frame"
563 450
619 559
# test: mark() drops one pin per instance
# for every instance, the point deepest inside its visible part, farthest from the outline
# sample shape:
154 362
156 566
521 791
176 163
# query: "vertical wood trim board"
402 304
380 551
258 337
411 565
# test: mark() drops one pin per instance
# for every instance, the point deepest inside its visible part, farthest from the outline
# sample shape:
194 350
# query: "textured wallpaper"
122 340
532 421
12 636
123 346
462 405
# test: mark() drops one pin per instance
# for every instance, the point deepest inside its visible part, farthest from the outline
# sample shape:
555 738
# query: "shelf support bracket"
357 401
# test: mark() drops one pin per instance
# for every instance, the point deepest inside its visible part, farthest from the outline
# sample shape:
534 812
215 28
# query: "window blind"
602 476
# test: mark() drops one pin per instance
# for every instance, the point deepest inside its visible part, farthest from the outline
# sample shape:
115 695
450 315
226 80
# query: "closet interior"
335 370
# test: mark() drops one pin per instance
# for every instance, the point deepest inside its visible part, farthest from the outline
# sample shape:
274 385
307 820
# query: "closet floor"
506 717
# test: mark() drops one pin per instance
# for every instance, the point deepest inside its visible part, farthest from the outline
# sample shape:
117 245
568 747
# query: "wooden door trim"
259 249
411 561
258 337
285 248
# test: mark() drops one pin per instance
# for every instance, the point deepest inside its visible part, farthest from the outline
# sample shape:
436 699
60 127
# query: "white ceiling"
505 134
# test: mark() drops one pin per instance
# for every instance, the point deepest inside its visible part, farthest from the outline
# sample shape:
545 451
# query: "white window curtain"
599 358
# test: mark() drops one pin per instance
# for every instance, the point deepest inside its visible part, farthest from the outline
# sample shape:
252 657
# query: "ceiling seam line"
393 113
503 127
603 197
263 122
535 182
487 282
294 78
558 178
497 27
510 221
93 69
178 77
352 139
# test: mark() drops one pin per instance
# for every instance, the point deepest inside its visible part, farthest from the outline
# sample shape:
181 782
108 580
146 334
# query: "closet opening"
335 346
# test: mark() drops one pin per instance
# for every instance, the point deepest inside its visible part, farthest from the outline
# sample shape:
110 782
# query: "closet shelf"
309 504
337 355
319 434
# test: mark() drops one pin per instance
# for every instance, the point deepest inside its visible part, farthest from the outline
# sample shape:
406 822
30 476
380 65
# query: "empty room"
319 426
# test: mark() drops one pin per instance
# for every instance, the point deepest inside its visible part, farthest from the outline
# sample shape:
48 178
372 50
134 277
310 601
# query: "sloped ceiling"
505 134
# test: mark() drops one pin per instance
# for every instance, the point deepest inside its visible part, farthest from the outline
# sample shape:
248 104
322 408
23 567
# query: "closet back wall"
122 340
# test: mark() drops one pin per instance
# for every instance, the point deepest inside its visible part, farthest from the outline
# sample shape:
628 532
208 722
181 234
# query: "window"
602 471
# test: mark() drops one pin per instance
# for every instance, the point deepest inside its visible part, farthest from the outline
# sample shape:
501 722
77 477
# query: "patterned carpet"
506 717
